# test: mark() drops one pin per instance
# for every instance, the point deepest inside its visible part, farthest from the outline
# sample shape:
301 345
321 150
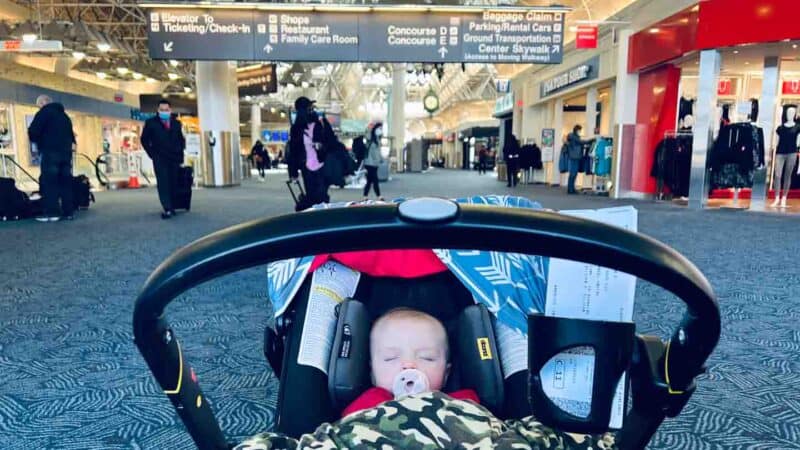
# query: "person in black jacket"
511 156
260 157
306 152
162 139
51 131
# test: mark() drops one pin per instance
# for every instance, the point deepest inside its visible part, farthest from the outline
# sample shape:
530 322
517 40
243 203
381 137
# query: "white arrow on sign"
168 46
268 48
556 49
442 51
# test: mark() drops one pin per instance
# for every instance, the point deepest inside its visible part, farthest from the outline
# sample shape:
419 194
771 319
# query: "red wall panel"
663 41
656 114
725 23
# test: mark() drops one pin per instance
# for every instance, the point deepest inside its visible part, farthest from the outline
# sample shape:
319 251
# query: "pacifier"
409 382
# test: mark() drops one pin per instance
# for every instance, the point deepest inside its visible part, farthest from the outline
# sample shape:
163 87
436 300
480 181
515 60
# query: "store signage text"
726 87
39 46
257 81
791 87
584 72
533 36
586 36
504 104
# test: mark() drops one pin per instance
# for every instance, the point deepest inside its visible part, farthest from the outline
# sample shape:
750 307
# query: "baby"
409 354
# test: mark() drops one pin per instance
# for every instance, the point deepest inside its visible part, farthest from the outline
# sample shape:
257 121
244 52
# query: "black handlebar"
388 227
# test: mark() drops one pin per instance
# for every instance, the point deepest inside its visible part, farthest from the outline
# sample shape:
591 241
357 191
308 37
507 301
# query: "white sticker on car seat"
513 349
331 284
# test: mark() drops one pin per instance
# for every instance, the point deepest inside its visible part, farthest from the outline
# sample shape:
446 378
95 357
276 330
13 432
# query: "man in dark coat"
511 156
575 153
51 131
162 139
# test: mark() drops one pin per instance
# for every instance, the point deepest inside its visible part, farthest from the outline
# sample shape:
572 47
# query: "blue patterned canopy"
511 285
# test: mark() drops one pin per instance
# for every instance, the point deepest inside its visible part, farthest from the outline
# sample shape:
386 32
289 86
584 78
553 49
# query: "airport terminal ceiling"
107 40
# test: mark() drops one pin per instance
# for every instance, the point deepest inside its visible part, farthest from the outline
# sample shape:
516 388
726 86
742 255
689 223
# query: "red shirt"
374 396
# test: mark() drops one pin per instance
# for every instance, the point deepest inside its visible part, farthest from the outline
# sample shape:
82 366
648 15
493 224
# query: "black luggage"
183 189
301 201
82 192
13 202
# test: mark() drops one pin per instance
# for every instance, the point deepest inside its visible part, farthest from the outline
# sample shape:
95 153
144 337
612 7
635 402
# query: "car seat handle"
375 227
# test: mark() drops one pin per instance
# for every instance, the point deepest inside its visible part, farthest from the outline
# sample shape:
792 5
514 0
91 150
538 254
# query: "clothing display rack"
672 164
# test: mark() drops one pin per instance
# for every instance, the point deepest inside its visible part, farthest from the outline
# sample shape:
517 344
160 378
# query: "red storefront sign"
791 87
725 87
586 36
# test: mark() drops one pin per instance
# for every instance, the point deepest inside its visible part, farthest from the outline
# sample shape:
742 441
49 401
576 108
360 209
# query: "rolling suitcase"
182 197
301 201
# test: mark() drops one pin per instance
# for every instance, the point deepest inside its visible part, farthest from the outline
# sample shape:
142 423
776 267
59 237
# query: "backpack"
13 202
82 192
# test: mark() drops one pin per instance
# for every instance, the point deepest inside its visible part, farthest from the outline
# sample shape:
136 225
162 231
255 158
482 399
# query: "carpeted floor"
70 377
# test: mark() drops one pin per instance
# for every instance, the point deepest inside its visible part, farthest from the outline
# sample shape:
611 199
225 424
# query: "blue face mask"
164 115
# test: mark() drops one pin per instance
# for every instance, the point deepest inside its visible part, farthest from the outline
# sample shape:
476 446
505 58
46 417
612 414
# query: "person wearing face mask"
575 152
306 153
373 160
162 139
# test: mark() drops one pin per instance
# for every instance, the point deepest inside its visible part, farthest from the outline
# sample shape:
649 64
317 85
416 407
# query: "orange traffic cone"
133 181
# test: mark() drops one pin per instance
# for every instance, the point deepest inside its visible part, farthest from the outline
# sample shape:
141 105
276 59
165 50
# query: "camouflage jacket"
431 420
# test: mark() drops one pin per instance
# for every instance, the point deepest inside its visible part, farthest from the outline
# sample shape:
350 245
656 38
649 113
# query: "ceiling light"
794 46
736 52
654 30
187 89
29 37
101 75
247 98
78 55
173 76
305 85
137 76
283 115
151 80
123 70
103 46
746 63
173 63
273 110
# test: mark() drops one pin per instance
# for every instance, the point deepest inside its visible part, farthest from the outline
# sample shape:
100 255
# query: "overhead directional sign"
502 36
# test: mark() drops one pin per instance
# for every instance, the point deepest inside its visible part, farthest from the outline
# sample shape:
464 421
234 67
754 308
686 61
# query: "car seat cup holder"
572 344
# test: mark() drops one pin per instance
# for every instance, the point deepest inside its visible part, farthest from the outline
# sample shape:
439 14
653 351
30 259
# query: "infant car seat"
308 397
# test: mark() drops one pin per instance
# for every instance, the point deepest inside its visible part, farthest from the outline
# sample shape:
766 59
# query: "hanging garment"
738 148
602 157
672 164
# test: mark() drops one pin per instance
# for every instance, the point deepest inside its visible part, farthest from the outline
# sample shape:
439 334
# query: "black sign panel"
257 81
306 36
532 37
589 70
501 36
401 37
213 34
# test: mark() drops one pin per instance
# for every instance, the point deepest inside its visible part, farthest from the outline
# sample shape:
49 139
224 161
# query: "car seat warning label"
331 284
484 349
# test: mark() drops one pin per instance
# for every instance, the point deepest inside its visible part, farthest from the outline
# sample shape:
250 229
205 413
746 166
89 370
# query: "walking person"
162 139
373 161
306 153
260 157
511 156
483 155
51 131
575 153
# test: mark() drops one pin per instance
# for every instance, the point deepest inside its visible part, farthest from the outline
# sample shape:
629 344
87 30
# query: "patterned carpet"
70 377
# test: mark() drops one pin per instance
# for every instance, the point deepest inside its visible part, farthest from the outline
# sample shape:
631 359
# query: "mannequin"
786 156
688 123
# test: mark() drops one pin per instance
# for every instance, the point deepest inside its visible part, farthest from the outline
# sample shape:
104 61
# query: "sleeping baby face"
408 339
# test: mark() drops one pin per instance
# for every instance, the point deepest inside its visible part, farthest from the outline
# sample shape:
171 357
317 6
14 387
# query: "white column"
218 110
710 61
558 125
397 122
625 102
255 123
768 105
591 112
